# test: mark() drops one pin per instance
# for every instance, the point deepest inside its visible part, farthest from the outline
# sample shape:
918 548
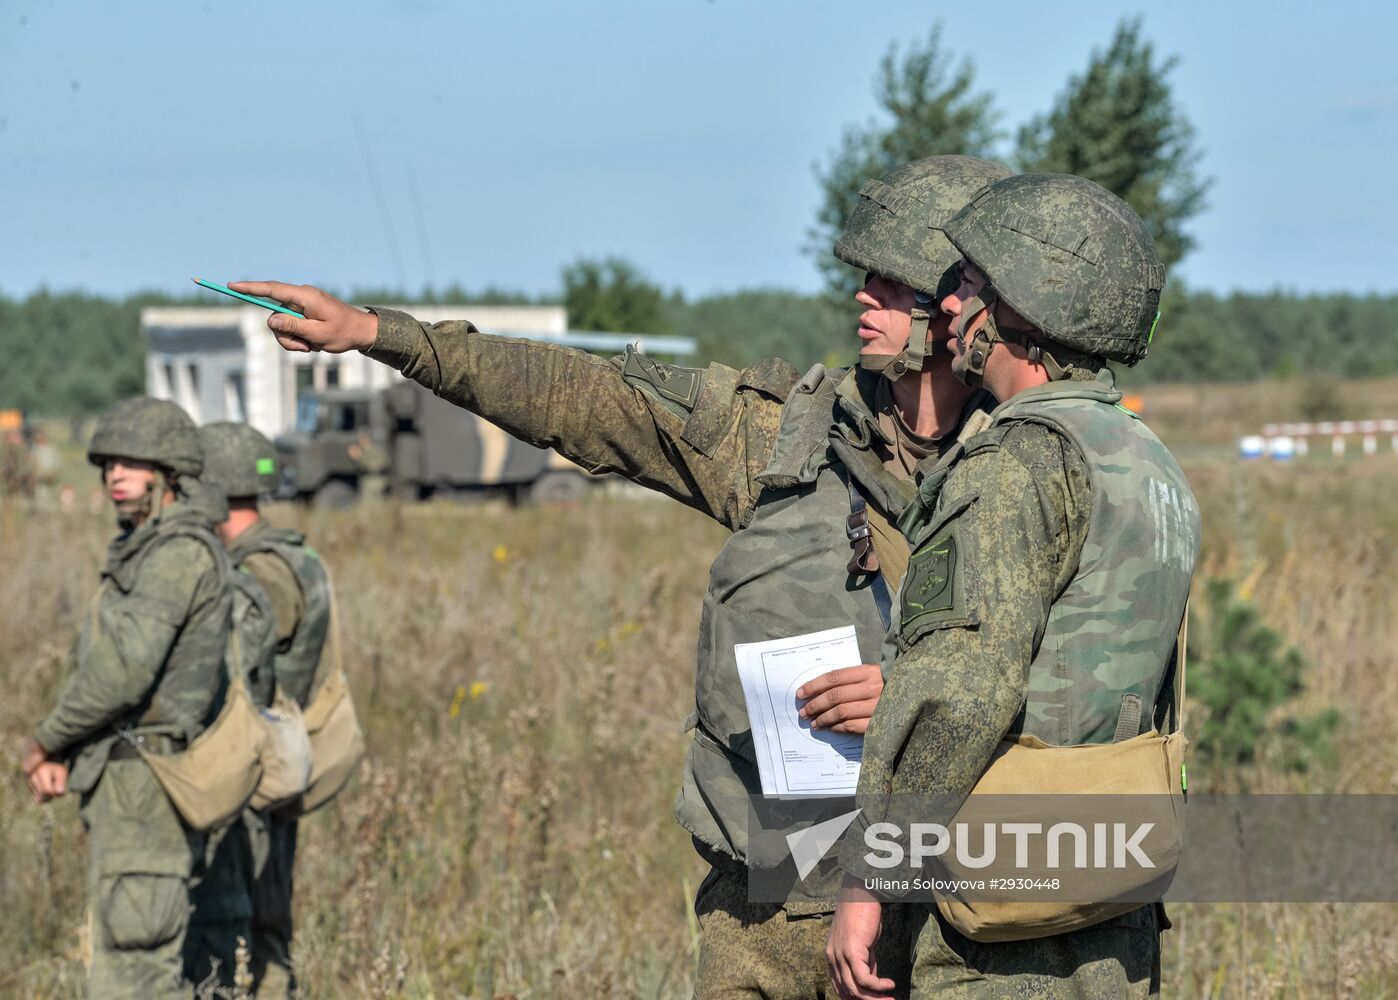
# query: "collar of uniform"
250 539
122 553
1100 387
259 535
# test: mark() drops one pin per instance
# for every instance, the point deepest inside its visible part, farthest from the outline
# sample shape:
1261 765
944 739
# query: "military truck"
348 441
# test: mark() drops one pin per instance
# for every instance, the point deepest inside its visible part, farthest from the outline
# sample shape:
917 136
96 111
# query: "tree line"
69 354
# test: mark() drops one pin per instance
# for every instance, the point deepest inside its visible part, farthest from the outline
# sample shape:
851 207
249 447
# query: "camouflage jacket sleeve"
1004 539
125 643
277 579
700 435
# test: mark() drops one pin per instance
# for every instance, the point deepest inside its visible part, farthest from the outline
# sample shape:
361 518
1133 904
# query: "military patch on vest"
680 385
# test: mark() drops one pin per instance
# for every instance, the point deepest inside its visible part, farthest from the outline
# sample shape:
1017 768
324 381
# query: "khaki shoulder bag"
337 741
1148 767
212 779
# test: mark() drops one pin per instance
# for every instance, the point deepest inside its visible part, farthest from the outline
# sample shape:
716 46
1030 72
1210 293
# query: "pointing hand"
330 325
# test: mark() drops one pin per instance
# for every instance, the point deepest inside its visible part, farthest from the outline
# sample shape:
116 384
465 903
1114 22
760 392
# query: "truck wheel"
558 487
336 495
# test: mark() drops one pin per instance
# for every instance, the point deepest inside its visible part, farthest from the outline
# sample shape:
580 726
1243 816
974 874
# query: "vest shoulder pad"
771 376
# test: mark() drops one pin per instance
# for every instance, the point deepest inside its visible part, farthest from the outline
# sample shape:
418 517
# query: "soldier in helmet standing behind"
241 463
146 669
1051 565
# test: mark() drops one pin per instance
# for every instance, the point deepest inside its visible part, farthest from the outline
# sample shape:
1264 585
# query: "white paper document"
793 760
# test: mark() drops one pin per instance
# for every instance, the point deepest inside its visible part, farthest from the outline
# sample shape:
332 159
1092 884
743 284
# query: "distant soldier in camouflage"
809 471
222 914
147 668
1052 556
241 463
16 465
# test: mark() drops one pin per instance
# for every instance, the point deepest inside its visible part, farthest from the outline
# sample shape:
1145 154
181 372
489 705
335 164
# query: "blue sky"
354 143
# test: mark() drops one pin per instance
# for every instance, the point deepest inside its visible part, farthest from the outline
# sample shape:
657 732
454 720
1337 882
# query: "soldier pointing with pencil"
810 472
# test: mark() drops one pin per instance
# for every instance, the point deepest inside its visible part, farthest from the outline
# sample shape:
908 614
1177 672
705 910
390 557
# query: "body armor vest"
295 666
784 574
193 679
1105 658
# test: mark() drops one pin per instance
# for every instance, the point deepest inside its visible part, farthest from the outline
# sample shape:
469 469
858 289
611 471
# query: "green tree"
930 107
613 295
1249 682
1117 124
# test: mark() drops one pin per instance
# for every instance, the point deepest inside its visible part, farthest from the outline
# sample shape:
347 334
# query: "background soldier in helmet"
1052 556
810 472
241 463
147 668
221 919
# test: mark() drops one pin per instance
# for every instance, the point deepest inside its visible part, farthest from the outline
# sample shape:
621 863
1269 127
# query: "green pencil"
214 286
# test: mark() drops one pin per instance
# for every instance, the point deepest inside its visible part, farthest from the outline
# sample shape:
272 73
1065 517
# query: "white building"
223 364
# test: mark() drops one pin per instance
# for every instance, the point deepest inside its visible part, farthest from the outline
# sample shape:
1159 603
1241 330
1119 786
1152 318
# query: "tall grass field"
522 675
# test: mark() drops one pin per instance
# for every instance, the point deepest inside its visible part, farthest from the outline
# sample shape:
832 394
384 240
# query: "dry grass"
522 676
1217 415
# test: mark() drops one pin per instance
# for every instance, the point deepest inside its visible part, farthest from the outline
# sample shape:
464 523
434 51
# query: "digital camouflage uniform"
242 463
148 661
1052 556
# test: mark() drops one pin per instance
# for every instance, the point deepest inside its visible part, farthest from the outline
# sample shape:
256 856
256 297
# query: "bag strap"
1182 644
332 639
864 559
1177 678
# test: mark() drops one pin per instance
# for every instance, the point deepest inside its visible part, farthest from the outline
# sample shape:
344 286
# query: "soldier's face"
972 284
128 479
887 320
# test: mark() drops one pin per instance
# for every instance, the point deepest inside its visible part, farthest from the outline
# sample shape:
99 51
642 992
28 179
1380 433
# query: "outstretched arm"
700 435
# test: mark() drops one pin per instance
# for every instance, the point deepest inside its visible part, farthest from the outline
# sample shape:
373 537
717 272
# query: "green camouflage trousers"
275 854
1113 960
141 858
775 952
222 908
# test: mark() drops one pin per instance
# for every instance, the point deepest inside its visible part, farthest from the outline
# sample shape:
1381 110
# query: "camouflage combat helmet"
896 232
1070 257
239 461
151 430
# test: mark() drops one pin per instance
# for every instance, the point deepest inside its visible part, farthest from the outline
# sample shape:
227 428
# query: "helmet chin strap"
147 507
969 365
912 357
